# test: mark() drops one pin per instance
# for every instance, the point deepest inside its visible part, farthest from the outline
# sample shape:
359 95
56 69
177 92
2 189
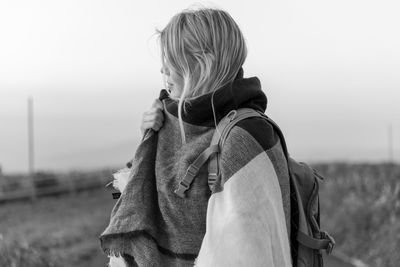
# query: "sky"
330 70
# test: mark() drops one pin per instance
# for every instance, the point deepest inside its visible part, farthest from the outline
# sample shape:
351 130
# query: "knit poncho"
243 222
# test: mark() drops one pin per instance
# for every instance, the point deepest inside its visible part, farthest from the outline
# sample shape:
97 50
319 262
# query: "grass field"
55 231
360 207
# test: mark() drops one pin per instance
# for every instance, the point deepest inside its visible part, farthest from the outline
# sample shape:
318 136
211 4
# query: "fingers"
153 118
153 115
158 104
151 125
154 111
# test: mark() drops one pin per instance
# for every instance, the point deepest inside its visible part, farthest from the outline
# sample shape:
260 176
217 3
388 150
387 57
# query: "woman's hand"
154 118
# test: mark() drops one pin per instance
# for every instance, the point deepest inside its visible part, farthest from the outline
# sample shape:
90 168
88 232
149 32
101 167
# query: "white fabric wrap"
245 222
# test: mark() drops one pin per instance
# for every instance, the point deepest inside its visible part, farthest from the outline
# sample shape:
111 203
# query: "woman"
244 219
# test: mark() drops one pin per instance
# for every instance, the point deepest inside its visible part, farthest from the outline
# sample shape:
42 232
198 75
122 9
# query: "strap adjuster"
192 170
212 176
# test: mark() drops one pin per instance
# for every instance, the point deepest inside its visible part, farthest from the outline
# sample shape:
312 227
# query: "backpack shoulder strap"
220 135
221 132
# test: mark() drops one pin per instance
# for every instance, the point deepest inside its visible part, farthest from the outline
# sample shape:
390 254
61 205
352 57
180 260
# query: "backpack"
306 238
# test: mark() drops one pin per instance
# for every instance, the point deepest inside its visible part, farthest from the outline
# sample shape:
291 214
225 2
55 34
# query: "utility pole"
30 136
390 143
31 146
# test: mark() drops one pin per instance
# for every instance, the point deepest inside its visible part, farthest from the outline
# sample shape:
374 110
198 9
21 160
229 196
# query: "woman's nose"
164 71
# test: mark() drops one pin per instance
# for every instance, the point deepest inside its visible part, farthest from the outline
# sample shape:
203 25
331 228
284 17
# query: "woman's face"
174 82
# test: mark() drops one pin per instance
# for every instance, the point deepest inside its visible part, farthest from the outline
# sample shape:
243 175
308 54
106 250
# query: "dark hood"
241 93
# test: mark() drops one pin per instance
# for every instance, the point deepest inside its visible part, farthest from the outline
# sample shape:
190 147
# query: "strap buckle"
180 191
184 184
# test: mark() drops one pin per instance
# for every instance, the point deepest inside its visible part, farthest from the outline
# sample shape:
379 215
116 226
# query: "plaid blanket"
243 222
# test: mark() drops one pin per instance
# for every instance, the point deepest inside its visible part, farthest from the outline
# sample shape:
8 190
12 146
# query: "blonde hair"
206 48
